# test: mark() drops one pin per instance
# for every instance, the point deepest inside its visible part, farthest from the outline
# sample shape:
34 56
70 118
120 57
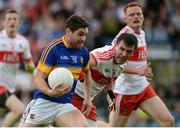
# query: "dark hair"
132 4
9 11
129 39
75 22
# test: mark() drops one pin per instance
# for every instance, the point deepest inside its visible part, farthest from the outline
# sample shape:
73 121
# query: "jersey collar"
65 42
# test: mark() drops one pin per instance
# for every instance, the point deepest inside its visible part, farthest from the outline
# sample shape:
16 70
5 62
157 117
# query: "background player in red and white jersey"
133 91
13 49
106 63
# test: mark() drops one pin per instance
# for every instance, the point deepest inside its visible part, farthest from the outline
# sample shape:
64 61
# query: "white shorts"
44 112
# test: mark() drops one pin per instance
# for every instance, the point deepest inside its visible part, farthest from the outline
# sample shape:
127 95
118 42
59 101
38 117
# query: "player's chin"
12 29
79 45
137 24
120 61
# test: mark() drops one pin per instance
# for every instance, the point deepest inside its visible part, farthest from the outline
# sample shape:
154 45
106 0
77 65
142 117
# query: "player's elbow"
168 121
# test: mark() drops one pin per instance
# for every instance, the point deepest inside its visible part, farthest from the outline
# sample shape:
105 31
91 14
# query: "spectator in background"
160 31
176 112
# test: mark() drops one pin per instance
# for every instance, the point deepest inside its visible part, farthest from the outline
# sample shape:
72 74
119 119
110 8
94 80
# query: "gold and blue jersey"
57 54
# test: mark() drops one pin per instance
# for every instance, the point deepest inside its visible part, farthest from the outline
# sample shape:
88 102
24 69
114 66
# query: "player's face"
11 21
134 17
122 52
78 38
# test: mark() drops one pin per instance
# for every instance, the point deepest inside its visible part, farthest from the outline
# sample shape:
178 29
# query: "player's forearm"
40 84
142 71
87 88
110 98
131 70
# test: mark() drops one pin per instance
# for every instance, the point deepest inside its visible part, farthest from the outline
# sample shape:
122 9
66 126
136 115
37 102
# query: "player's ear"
124 19
115 44
68 31
3 23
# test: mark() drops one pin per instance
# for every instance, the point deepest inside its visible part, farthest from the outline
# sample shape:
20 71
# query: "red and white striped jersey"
131 83
12 51
104 73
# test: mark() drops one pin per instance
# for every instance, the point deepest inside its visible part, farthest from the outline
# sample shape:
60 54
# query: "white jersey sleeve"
27 51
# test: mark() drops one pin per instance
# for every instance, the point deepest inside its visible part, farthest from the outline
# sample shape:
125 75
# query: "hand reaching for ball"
59 90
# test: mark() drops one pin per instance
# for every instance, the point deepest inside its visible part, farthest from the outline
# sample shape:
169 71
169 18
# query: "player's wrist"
111 94
110 98
87 98
30 67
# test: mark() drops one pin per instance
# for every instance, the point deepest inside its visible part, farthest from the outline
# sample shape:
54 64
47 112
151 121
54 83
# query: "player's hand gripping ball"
60 76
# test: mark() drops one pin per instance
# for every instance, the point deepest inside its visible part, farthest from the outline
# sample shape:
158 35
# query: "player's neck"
11 34
67 40
137 30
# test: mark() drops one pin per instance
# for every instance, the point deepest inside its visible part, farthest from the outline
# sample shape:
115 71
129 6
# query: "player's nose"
124 53
83 38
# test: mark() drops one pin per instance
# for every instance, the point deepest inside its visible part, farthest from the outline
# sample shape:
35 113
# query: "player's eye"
129 51
132 14
122 49
138 14
81 34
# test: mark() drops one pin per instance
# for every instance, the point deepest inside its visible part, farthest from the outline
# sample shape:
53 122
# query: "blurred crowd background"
43 20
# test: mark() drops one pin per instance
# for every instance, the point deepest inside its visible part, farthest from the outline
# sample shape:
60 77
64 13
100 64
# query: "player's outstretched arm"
110 95
87 105
142 71
92 61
